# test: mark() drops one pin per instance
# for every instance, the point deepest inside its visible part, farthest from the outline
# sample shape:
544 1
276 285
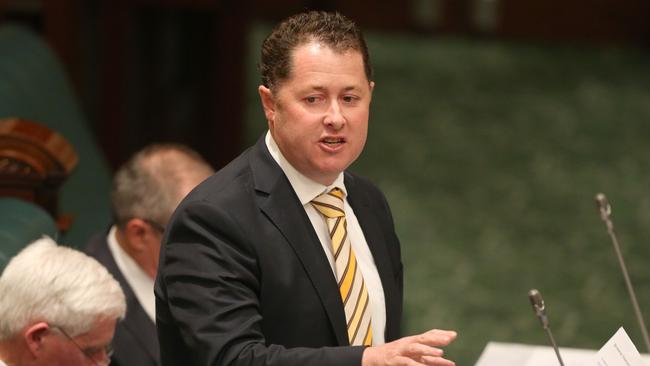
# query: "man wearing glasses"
58 306
146 190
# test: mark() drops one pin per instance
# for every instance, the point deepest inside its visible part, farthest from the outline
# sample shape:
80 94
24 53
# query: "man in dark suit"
145 192
283 257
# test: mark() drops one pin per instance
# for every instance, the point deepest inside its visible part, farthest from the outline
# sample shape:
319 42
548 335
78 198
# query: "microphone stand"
537 302
555 348
605 212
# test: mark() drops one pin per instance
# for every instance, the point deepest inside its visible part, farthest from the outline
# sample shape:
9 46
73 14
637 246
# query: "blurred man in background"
146 190
58 307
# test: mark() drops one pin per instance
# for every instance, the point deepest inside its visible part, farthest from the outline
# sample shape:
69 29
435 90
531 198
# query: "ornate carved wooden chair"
34 162
33 86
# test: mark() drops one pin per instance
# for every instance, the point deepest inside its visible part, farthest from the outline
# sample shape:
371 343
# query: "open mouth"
333 141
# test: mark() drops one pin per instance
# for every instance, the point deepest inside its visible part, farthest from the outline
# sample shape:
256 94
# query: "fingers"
405 361
436 361
436 337
422 347
417 350
426 360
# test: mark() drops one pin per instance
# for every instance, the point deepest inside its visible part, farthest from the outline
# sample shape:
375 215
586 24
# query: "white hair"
58 285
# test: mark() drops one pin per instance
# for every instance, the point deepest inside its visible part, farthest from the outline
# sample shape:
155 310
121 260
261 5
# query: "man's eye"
349 98
311 99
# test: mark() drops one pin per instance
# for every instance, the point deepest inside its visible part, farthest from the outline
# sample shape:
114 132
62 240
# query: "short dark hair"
332 29
148 185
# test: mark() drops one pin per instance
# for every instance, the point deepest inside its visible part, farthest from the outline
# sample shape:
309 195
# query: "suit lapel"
279 203
137 321
142 328
374 234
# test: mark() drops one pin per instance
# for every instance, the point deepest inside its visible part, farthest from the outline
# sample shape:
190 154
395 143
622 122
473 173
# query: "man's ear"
268 103
136 232
34 335
372 87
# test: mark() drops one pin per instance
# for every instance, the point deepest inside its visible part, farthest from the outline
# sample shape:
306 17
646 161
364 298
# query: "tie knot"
330 204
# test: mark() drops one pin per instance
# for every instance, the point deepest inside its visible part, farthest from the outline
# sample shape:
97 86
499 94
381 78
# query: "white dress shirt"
139 280
306 190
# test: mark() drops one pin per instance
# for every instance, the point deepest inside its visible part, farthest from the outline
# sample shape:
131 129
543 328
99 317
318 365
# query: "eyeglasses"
90 352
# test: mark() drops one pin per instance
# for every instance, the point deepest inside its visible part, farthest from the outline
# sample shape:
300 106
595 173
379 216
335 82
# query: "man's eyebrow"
322 88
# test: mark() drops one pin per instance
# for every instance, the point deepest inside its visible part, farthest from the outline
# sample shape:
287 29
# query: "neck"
137 256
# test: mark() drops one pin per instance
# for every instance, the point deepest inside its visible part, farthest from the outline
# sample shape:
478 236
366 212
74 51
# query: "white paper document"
618 351
572 357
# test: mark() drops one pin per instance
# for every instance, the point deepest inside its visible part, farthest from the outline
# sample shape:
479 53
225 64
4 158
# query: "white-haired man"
58 306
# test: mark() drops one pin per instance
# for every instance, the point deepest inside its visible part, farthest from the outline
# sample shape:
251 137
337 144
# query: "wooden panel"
34 162
591 20
191 95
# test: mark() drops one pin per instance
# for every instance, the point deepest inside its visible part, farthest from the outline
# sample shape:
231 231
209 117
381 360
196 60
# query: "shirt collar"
306 189
139 281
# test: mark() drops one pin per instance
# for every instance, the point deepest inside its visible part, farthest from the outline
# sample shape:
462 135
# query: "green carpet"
490 154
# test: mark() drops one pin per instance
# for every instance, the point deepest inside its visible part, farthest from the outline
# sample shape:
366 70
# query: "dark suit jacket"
243 279
135 342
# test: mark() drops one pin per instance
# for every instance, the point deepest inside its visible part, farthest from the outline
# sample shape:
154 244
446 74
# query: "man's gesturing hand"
414 350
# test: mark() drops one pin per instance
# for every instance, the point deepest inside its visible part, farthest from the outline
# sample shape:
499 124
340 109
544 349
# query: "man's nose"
334 117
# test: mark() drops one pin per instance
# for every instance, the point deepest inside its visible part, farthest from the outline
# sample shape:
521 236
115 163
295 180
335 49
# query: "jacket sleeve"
207 298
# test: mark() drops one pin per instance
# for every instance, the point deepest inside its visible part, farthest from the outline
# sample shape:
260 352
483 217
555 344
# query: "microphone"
605 210
540 310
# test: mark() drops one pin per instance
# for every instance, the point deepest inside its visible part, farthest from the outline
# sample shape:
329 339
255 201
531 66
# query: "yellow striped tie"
350 280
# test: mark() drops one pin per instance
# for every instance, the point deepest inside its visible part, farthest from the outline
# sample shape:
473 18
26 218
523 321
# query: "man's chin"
332 171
